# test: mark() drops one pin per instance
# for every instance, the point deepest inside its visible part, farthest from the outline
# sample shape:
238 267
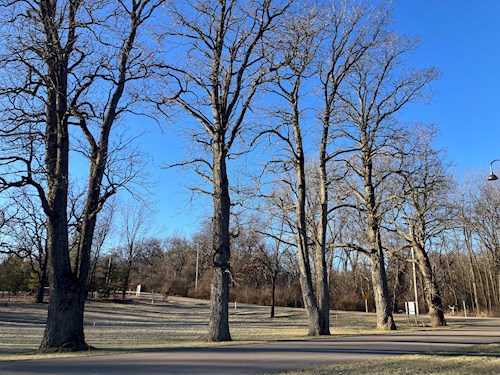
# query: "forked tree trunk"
306 281
218 329
64 328
431 289
385 320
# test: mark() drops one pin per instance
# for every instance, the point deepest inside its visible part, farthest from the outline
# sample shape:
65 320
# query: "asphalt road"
266 358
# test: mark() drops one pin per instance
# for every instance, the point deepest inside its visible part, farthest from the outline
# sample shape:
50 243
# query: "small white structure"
411 308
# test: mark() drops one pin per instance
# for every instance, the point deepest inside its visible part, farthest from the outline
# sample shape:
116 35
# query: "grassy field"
114 327
477 360
177 322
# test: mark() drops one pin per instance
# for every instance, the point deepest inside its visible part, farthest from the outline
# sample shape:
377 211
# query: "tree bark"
306 281
273 294
218 329
64 329
322 285
43 279
385 320
431 289
126 280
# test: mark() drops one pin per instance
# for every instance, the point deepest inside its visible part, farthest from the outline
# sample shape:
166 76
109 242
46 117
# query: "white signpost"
411 309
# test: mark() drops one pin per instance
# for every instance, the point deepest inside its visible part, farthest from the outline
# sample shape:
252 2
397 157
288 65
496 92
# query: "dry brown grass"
444 364
141 325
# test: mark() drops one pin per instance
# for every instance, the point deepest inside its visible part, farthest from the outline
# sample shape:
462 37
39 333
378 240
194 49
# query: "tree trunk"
306 278
308 297
468 245
273 294
385 320
64 329
322 291
431 289
322 288
43 280
218 329
126 280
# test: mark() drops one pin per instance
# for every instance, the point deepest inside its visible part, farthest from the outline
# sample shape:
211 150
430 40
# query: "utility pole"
196 274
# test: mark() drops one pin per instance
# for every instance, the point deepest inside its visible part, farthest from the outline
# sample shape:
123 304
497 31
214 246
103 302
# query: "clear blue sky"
460 37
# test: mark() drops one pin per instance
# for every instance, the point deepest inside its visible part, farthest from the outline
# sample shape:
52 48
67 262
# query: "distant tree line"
463 258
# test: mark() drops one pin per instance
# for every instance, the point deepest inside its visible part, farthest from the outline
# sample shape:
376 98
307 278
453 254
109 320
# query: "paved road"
265 358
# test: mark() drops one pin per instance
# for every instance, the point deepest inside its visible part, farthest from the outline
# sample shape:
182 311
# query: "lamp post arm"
492 176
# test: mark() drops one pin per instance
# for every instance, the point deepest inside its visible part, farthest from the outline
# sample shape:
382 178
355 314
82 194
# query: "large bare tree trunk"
64 329
306 278
431 289
308 296
224 43
385 320
322 285
219 316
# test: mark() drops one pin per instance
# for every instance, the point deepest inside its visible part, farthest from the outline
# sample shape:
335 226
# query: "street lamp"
492 176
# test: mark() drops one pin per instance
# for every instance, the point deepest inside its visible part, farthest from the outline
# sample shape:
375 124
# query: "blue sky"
459 37
462 39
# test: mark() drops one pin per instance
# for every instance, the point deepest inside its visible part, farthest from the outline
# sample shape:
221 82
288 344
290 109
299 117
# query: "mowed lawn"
144 324
176 322
487 362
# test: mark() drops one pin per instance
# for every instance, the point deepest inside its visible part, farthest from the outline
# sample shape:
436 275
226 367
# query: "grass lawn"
464 362
172 323
142 325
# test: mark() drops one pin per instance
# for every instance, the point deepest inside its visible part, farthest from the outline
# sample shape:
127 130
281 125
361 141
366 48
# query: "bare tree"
380 86
299 43
137 224
352 30
73 61
272 258
222 44
31 233
320 49
426 213
486 214
476 224
22 227
104 226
